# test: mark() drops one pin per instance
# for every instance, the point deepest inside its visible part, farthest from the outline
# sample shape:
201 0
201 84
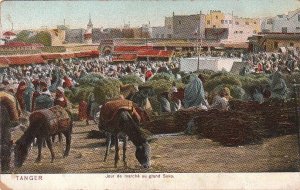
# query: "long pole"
199 48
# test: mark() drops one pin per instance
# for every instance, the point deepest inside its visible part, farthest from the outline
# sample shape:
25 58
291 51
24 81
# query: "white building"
9 35
285 23
158 32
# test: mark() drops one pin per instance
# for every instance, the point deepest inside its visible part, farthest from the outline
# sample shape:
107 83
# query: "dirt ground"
174 153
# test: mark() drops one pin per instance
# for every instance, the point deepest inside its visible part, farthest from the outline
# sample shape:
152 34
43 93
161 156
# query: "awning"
131 48
22 60
51 56
155 53
124 57
94 53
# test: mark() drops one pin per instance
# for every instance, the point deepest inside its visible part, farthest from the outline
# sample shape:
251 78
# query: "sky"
35 14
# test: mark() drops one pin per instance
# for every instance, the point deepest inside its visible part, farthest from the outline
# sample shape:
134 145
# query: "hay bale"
106 89
78 93
165 76
131 79
90 79
228 79
250 82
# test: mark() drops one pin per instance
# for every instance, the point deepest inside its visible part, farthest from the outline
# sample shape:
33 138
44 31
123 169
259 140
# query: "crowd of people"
42 86
267 62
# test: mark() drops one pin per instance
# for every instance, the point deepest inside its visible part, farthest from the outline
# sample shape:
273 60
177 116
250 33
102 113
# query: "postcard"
150 94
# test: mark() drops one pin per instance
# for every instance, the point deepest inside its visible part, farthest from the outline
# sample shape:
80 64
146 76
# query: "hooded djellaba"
194 95
28 94
278 86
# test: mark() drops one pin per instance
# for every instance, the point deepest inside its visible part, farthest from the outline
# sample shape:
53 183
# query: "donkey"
119 117
43 124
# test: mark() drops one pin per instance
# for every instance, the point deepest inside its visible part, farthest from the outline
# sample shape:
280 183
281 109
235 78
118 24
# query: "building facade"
238 29
284 23
188 26
75 35
272 42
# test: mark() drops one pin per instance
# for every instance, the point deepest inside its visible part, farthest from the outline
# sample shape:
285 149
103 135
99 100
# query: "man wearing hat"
44 100
220 101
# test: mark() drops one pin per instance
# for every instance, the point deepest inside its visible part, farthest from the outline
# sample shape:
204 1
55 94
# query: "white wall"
210 63
290 21
158 32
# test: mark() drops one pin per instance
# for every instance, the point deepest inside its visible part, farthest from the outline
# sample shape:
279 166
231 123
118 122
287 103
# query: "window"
254 22
299 17
280 16
241 32
222 21
237 23
230 21
254 32
217 17
214 26
247 23
297 28
270 21
162 36
179 22
169 36
226 21
157 35
208 22
284 29
291 44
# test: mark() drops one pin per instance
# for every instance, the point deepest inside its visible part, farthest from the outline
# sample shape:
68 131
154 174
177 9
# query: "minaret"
88 35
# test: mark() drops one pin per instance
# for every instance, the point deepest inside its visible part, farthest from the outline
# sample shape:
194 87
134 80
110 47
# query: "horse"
119 117
43 124
9 113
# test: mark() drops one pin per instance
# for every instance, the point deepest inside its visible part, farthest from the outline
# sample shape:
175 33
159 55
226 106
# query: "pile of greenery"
163 85
78 94
131 79
165 76
253 81
221 78
107 88
91 79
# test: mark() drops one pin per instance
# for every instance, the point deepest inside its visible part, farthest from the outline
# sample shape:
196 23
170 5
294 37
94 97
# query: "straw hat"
226 92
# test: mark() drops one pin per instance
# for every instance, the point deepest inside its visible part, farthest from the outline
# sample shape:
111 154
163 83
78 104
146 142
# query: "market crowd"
42 86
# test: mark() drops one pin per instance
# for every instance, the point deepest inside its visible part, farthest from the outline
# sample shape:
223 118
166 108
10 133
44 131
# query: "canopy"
21 59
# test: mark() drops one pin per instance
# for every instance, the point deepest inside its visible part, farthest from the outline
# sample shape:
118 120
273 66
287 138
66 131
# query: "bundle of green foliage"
253 81
131 79
165 76
106 89
79 93
163 85
221 78
90 79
